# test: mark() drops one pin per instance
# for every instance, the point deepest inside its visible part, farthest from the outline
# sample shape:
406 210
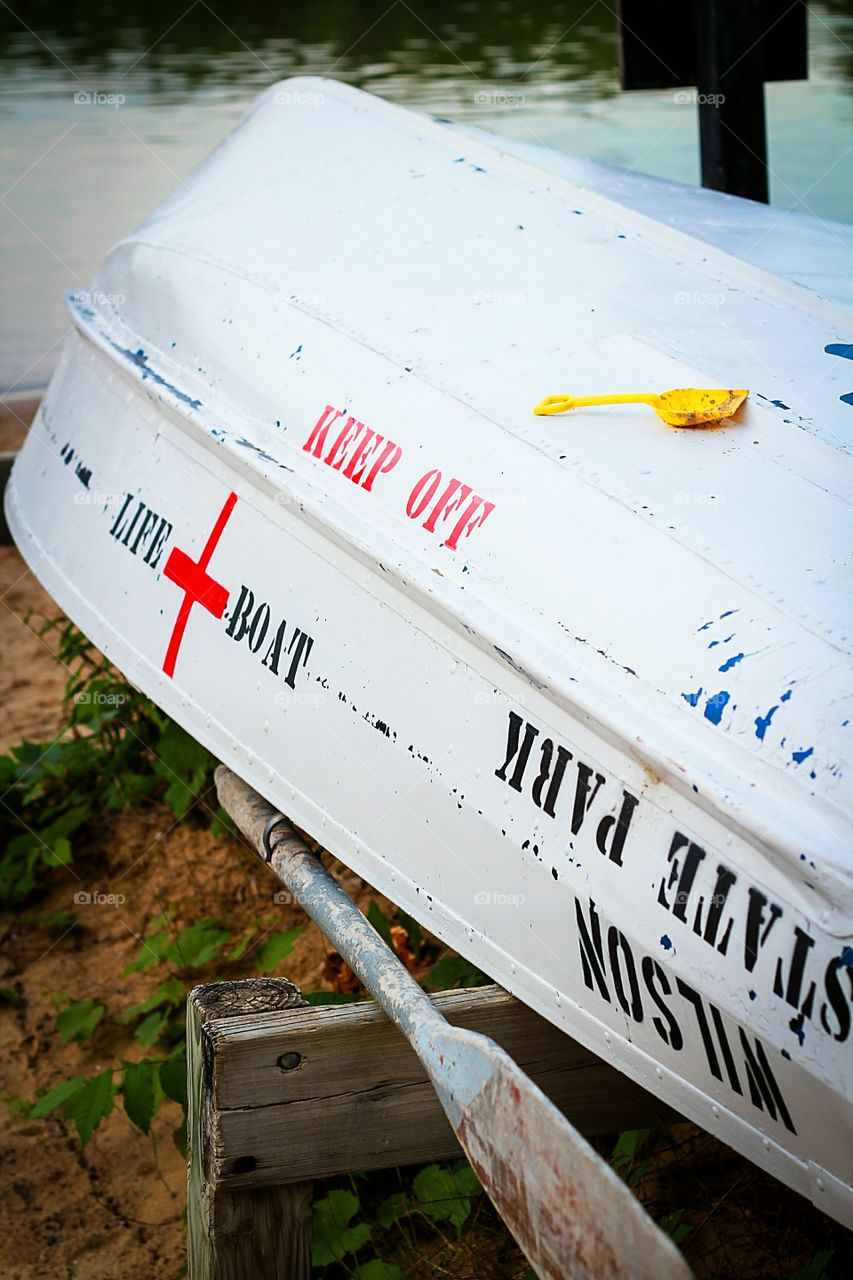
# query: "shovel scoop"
685 407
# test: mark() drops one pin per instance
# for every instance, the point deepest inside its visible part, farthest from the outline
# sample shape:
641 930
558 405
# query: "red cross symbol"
193 579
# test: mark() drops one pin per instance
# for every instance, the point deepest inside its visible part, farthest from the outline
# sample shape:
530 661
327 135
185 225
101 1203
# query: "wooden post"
254 1233
730 85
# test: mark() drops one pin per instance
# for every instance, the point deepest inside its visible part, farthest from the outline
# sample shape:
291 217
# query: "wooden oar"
570 1213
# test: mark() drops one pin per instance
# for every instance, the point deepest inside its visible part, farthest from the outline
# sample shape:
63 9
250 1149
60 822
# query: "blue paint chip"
847 958
786 696
796 1025
715 706
799 756
727 614
692 698
666 942
762 723
706 625
752 995
786 1054
732 662
140 359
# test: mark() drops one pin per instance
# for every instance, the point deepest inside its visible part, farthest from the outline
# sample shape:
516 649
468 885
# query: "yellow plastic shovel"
686 407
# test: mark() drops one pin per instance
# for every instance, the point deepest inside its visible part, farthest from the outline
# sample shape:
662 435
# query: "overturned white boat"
573 691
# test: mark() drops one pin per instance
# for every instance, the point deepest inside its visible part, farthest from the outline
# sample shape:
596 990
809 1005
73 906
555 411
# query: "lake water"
103 112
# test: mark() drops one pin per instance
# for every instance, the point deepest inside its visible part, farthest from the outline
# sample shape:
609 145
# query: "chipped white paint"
669 611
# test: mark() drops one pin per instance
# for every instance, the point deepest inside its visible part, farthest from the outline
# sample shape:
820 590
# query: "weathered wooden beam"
237 1234
310 1093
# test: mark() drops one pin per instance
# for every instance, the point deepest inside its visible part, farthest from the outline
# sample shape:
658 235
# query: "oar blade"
569 1212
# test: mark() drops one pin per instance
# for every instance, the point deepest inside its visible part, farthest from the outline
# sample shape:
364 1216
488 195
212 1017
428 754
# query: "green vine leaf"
377 918
56 1097
79 1020
196 945
91 1104
445 1192
333 1237
275 949
173 1076
170 992
376 1269
137 1087
149 1030
392 1209
454 971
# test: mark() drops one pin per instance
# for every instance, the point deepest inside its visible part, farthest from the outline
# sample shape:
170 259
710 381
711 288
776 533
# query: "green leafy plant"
625 1156
78 1020
334 1236
117 750
455 971
672 1225
438 1195
815 1268
145 1084
445 1193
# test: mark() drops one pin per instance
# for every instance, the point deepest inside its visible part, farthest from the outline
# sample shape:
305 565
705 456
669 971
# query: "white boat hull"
342 627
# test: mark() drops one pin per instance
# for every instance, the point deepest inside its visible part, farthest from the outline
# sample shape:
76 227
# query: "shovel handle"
561 404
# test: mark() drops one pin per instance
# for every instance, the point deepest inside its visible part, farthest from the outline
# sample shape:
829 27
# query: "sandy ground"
114 1210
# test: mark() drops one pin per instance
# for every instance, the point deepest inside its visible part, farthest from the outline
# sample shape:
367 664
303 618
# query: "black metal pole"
730 85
